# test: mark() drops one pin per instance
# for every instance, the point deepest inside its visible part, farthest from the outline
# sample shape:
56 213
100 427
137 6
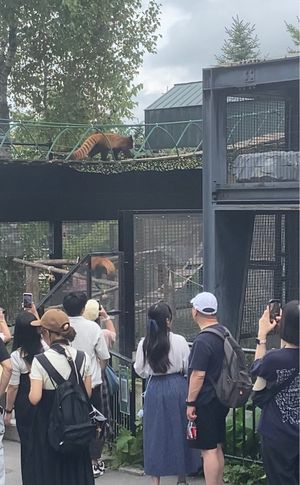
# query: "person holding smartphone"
94 311
279 422
27 343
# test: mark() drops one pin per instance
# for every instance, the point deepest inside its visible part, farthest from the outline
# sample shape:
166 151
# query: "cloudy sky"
193 33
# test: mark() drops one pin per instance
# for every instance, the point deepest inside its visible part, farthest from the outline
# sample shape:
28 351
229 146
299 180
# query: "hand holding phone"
27 300
274 309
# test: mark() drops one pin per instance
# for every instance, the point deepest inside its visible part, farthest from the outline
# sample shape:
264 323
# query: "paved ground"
13 476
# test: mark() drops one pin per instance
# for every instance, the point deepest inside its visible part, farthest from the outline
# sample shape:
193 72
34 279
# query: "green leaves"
241 440
76 59
242 43
294 31
246 474
128 448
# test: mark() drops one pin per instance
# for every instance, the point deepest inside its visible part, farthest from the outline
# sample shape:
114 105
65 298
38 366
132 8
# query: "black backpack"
234 384
70 428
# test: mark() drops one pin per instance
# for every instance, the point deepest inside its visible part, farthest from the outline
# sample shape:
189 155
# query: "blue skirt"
166 450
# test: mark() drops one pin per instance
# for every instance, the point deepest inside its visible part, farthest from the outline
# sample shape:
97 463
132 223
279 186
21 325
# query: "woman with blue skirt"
162 358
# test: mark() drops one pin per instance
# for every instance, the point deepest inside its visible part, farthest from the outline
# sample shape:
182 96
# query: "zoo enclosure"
163 254
251 189
250 122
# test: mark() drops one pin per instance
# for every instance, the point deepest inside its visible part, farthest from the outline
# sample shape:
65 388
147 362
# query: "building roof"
180 96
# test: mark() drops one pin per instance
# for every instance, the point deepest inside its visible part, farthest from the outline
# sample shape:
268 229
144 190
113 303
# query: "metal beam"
256 207
284 192
252 74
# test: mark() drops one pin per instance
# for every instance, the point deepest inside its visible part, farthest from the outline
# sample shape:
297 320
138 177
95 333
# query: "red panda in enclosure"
103 143
102 267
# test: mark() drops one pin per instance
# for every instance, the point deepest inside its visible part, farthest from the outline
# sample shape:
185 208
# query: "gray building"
179 114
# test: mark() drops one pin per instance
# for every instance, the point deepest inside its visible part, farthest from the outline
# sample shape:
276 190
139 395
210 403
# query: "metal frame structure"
228 208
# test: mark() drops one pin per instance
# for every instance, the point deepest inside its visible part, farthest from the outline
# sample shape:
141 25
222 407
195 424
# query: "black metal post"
126 245
57 247
214 171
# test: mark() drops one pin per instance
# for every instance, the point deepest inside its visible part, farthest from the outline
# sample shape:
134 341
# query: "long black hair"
27 337
156 345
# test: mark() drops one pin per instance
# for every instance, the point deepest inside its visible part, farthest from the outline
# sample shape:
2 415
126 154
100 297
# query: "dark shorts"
211 425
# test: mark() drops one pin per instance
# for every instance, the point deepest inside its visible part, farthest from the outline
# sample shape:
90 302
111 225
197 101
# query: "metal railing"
31 140
48 140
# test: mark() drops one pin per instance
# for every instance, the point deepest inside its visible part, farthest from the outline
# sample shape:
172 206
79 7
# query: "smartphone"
274 309
27 300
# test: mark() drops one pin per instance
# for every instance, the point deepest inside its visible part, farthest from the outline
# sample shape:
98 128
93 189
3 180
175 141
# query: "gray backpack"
234 385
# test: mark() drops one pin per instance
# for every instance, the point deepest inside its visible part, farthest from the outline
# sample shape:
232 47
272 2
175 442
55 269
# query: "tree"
74 60
294 31
242 43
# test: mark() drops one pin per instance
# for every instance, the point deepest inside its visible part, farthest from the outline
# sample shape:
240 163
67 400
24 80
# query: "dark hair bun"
69 334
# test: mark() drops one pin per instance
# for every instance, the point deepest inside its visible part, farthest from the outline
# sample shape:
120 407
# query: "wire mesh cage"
258 140
30 241
34 243
168 266
273 268
83 237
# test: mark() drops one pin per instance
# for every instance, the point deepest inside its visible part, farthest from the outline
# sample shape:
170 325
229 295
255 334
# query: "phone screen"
27 300
274 309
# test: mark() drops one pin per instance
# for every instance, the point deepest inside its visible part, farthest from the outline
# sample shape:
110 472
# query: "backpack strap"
217 332
75 367
50 369
220 334
80 358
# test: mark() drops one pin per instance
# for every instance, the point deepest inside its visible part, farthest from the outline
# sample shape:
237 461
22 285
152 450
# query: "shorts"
211 425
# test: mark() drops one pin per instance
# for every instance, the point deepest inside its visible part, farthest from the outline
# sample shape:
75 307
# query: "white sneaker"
96 471
101 466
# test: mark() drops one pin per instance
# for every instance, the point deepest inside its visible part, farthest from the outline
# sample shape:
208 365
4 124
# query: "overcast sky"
193 32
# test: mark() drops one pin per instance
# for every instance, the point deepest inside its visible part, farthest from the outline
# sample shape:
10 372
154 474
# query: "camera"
27 300
274 309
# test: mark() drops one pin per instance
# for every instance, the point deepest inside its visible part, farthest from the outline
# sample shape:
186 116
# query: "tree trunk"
4 115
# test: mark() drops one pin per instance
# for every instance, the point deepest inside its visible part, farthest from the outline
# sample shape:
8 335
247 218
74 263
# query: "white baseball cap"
205 303
91 310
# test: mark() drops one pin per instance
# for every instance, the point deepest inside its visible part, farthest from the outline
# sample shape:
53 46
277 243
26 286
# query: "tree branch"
12 48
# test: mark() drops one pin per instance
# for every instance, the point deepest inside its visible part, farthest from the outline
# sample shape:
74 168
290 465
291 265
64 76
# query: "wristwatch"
190 403
260 341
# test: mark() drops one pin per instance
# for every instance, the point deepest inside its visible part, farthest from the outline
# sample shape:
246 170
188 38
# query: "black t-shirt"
280 417
4 355
207 355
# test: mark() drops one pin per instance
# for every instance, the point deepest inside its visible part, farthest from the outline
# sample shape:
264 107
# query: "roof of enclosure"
180 96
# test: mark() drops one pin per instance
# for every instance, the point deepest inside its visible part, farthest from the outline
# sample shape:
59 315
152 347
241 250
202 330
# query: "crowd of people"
183 417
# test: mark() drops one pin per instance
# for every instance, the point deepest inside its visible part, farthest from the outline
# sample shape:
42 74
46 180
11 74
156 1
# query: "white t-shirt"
178 357
19 365
90 339
61 364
